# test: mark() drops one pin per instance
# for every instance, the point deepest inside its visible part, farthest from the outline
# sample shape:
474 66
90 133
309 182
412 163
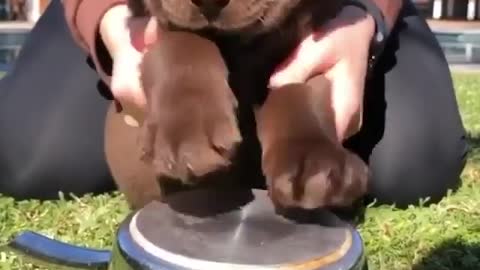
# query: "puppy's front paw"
303 162
312 173
190 130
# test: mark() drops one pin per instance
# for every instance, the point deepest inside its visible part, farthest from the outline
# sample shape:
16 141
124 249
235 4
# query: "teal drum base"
216 229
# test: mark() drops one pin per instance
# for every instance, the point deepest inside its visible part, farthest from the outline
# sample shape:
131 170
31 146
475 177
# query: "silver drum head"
214 229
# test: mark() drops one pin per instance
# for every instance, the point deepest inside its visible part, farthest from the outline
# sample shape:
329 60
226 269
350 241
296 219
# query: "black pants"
52 116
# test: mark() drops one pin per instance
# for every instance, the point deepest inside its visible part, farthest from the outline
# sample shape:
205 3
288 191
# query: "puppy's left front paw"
312 173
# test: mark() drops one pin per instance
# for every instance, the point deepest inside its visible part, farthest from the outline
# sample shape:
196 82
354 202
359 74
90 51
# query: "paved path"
465 68
452 25
448 25
435 24
16 25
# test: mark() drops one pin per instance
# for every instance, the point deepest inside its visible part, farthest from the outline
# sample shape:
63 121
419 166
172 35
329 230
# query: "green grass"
438 237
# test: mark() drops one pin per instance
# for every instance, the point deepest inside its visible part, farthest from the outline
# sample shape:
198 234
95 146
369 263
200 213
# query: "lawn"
439 237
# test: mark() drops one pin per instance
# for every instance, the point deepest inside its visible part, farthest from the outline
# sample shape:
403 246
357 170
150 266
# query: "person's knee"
424 174
22 184
47 178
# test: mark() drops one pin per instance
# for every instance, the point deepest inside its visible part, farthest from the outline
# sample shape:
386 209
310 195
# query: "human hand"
339 51
126 38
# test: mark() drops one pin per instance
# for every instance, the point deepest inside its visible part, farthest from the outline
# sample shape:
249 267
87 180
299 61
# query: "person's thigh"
52 117
413 136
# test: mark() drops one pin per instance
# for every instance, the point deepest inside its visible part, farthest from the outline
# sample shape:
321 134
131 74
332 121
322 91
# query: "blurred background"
17 17
456 24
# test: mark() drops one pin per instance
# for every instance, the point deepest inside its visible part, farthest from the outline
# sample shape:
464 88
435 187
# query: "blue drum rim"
134 255
138 258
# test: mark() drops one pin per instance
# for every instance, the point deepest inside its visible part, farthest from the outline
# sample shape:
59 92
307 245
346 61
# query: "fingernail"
131 121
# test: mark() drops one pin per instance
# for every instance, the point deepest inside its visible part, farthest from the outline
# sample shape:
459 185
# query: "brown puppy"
190 128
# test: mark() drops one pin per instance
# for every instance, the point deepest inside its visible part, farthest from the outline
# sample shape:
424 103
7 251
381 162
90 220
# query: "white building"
450 9
34 9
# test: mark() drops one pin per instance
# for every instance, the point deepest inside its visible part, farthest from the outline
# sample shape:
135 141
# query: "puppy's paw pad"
318 175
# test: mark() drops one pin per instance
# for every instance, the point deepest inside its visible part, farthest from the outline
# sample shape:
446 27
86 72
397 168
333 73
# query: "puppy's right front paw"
190 131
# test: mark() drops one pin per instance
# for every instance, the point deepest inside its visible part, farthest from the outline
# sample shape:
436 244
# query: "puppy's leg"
133 177
303 162
190 129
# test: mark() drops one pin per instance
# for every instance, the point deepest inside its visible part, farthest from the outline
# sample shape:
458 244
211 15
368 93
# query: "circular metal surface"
236 229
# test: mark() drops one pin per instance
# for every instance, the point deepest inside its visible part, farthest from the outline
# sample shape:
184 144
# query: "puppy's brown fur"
204 81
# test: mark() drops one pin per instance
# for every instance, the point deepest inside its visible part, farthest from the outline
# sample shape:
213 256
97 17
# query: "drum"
234 229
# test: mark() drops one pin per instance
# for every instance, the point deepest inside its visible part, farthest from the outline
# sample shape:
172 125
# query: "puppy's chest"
251 61
251 64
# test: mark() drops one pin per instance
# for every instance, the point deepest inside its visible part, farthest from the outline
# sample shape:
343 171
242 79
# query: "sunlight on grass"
442 236
439 237
468 94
